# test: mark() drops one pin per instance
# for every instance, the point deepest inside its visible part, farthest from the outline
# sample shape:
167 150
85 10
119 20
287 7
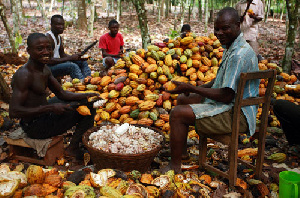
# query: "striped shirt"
237 59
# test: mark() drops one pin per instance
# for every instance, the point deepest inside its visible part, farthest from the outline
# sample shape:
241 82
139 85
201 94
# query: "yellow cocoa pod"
190 71
133 76
83 110
105 81
134 69
186 40
105 115
168 60
147 105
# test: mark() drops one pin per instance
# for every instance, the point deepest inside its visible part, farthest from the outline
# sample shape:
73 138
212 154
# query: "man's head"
227 26
185 28
39 47
113 27
57 24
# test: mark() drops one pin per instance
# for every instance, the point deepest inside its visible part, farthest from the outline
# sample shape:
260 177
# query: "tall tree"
81 21
8 29
211 15
292 10
268 5
200 10
185 4
4 90
119 5
51 5
92 18
206 16
143 22
16 17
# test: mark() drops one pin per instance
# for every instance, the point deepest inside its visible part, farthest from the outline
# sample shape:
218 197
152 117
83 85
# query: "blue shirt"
239 58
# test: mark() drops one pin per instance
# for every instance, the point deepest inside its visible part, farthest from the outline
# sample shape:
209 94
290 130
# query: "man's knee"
182 112
109 62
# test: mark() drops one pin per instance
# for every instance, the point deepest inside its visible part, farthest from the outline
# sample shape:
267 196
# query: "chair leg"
232 173
260 156
202 151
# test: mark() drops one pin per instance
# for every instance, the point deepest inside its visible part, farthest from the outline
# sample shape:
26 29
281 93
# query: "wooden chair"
232 138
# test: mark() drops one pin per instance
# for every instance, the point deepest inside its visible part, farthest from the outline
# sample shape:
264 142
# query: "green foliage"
173 34
18 40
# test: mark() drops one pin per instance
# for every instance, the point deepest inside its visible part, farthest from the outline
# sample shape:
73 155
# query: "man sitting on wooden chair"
209 106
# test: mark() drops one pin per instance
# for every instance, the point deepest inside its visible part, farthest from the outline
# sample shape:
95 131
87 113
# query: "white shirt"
249 27
56 45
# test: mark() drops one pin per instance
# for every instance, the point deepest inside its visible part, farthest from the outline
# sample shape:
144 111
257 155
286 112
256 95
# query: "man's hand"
60 108
120 54
75 57
182 87
242 19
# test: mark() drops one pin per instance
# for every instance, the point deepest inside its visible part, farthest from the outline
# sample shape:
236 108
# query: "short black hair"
233 13
56 16
111 22
34 36
185 27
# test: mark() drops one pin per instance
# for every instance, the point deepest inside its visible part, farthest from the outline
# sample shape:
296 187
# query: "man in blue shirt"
210 106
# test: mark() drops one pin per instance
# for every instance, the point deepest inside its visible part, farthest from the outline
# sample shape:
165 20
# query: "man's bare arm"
225 95
17 108
63 56
105 54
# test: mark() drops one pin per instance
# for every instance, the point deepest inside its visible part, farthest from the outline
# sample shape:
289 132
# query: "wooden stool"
20 150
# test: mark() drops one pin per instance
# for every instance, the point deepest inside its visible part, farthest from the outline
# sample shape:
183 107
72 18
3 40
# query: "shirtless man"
41 119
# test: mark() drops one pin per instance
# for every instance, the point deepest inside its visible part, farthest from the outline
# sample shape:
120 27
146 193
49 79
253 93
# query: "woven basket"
124 162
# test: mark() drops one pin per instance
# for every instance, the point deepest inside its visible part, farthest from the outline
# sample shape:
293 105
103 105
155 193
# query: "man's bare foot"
177 170
72 152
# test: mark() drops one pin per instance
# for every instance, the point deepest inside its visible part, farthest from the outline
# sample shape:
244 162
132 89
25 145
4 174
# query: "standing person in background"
111 44
251 12
62 64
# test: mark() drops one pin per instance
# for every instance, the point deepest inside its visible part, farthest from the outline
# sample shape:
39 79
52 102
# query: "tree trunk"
92 18
8 28
81 21
185 7
200 10
292 9
4 90
107 7
167 2
206 16
119 10
51 5
16 19
281 10
143 22
268 10
191 6
74 11
22 13
211 16
159 10
162 6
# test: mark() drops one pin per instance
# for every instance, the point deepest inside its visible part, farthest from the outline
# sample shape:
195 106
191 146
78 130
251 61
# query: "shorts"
220 123
115 60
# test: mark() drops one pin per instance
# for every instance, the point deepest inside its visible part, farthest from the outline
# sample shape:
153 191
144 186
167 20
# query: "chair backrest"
265 100
240 102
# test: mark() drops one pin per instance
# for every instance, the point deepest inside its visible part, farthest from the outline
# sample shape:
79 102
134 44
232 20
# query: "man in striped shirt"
210 106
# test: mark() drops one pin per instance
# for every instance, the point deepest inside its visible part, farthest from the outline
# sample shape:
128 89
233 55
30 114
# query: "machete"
88 47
